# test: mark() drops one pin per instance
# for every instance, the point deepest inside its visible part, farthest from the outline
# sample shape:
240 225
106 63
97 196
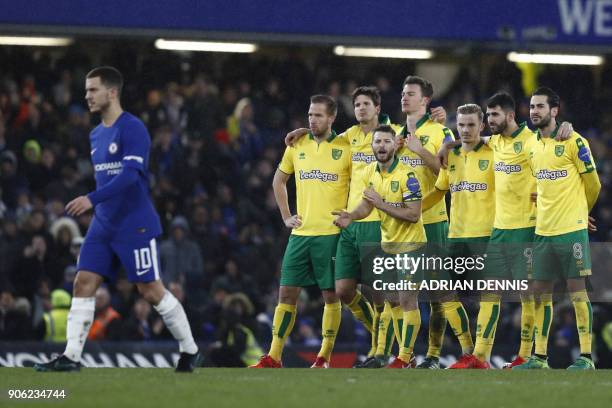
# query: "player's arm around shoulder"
448 143
295 135
441 187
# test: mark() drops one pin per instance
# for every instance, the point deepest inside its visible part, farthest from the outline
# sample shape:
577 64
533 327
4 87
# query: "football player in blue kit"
124 227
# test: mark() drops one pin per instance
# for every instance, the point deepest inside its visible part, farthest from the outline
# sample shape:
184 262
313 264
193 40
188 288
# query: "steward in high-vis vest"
57 319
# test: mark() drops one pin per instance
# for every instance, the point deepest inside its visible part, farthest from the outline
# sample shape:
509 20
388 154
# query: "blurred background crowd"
217 125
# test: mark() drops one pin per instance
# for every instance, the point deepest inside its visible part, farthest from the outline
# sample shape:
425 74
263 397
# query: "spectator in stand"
233 281
11 182
154 114
15 317
124 296
138 327
68 186
12 242
35 264
107 322
181 260
65 232
165 153
204 109
236 344
245 136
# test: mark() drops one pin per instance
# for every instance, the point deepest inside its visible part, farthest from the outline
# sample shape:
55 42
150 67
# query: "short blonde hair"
469 109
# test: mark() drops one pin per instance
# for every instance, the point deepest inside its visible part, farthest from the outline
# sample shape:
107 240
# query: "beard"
383 157
319 133
544 121
501 128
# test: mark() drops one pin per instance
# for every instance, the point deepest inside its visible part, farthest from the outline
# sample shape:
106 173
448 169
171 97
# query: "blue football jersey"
124 144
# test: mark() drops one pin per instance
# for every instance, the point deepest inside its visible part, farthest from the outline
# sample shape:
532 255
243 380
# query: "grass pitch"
137 387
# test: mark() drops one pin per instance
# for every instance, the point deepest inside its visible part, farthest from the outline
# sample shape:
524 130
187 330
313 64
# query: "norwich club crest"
483 164
559 149
336 154
394 186
424 140
518 146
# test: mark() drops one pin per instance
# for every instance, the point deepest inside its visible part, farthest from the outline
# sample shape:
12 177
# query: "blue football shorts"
103 253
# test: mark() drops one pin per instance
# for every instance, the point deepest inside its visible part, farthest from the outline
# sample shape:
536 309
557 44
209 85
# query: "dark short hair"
385 129
371 92
502 99
552 98
426 86
109 76
329 102
469 109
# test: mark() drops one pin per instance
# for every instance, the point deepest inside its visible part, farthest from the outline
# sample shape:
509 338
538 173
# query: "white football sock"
80 318
174 317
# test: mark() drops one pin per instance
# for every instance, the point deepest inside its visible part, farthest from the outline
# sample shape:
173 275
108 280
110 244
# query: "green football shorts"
309 261
562 256
357 243
510 254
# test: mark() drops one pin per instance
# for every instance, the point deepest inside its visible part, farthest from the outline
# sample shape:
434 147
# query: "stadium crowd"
217 128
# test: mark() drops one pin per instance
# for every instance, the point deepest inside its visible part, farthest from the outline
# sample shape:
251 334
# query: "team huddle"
522 196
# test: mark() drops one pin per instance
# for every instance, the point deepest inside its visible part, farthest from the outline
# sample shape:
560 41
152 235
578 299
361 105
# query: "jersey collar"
391 168
519 130
479 145
422 121
331 137
458 149
384 119
552 135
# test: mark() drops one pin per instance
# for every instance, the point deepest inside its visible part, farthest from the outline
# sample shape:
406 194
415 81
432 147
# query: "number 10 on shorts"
143 258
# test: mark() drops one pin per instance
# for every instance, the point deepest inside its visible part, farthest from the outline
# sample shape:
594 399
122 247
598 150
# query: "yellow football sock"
485 328
543 319
362 310
385 331
527 323
332 313
378 309
584 320
282 324
458 320
398 322
437 327
410 330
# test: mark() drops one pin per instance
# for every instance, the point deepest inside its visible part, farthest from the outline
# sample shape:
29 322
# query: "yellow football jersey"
432 135
562 205
470 179
397 186
322 172
361 157
514 181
